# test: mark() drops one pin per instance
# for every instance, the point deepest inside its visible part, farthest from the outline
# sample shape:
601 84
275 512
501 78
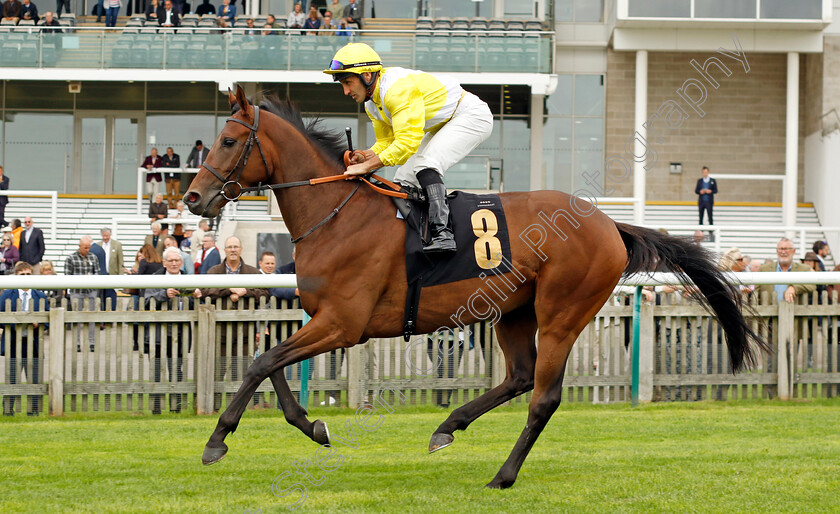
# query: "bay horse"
352 279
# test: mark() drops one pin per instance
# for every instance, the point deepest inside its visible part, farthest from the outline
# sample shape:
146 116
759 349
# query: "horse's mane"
330 142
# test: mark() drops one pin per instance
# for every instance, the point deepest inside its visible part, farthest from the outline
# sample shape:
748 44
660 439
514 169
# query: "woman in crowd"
312 23
47 268
148 261
151 10
9 255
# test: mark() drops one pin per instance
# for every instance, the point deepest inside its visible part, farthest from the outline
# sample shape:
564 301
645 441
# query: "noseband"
231 189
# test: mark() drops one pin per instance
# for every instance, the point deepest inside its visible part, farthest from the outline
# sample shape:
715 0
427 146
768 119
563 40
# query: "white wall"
822 181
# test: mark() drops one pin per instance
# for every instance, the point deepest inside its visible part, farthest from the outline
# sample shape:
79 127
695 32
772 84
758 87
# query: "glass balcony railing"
232 49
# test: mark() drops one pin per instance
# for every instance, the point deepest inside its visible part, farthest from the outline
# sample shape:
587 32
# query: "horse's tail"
649 250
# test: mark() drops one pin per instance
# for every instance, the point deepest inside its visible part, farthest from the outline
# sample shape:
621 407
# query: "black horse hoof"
320 432
213 454
500 483
440 441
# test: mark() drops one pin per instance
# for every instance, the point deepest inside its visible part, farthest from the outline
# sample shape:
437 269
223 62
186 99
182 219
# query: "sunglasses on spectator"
25 273
739 259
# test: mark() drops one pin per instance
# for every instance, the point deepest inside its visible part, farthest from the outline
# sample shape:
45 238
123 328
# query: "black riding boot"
442 238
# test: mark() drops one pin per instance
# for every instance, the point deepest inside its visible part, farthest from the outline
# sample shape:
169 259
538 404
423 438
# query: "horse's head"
236 161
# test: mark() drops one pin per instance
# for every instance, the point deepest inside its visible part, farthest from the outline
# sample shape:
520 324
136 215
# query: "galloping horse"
352 278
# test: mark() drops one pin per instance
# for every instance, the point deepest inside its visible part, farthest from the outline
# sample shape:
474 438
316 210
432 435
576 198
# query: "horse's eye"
229 141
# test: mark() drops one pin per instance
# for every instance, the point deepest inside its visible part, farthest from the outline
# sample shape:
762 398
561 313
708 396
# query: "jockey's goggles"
340 66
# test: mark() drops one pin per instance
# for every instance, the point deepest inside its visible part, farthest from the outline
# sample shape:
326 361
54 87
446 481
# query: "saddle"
480 228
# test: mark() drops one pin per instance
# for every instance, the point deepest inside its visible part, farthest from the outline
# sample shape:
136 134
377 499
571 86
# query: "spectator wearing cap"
821 250
197 155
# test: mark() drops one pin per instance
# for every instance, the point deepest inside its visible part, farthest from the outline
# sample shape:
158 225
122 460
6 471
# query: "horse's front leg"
315 338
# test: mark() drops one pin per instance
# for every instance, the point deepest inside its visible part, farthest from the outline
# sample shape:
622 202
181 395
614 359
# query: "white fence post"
646 352
205 359
56 378
785 350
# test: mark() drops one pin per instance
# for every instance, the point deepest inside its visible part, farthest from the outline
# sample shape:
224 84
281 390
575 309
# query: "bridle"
232 190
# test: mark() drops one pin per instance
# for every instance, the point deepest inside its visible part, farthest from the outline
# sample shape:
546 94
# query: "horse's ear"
231 99
242 100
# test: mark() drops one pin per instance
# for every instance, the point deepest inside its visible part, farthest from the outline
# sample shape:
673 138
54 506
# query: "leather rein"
232 190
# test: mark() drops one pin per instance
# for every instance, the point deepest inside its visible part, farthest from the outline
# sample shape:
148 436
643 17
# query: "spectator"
155 239
834 288
327 24
272 20
29 11
172 160
747 261
788 293
149 260
16 231
312 23
111 15
354 12
820 248
168 17
34 300
153 179
47 268
100 10
178 231
187 267
31 244
296 18
186 242
152 11
222 23
198 237
197 155
113 264
11 10
286 293
158 210
50 21
227 12
209 254
205 8
343 29
755 266
232 265
706 189
82 262
8 255
811 261
62 3
732 260
176 334
336 10
267 30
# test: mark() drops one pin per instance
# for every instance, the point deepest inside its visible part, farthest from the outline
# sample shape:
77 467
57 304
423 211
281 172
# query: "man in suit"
32 245
4 200
176 334
197 155
232 295
167 16
33 300
28 11
155 238
173 180
209 256
112 264
785 253
706 190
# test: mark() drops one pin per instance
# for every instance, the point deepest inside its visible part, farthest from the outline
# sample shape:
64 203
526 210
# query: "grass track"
700 457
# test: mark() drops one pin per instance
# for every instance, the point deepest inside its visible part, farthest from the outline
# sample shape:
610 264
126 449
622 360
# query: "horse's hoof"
500 483
440 441
213 454
320 432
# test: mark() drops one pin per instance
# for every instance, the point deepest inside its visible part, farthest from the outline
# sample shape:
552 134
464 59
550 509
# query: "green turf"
702 457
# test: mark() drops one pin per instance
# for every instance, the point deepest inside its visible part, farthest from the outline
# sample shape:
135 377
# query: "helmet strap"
369 86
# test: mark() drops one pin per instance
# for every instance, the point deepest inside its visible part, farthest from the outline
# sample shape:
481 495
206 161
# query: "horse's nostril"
192 197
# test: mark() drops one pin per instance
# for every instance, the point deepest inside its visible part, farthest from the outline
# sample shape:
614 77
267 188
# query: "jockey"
423 123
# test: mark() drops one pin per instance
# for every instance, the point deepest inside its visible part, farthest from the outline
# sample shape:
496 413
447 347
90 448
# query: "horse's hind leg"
515 332
548 384
295 413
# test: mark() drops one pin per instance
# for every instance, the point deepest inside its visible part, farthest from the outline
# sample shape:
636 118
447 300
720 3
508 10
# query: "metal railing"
53 196
281 49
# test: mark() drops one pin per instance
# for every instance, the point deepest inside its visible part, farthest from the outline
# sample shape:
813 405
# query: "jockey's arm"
366 162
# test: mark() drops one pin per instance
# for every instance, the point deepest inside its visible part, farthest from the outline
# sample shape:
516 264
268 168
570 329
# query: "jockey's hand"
360 156
371 163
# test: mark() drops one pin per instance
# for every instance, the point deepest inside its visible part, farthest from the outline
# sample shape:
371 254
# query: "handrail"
68 29
718 229
288 281
53 207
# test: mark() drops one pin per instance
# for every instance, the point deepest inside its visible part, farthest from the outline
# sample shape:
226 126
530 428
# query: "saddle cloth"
481 233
